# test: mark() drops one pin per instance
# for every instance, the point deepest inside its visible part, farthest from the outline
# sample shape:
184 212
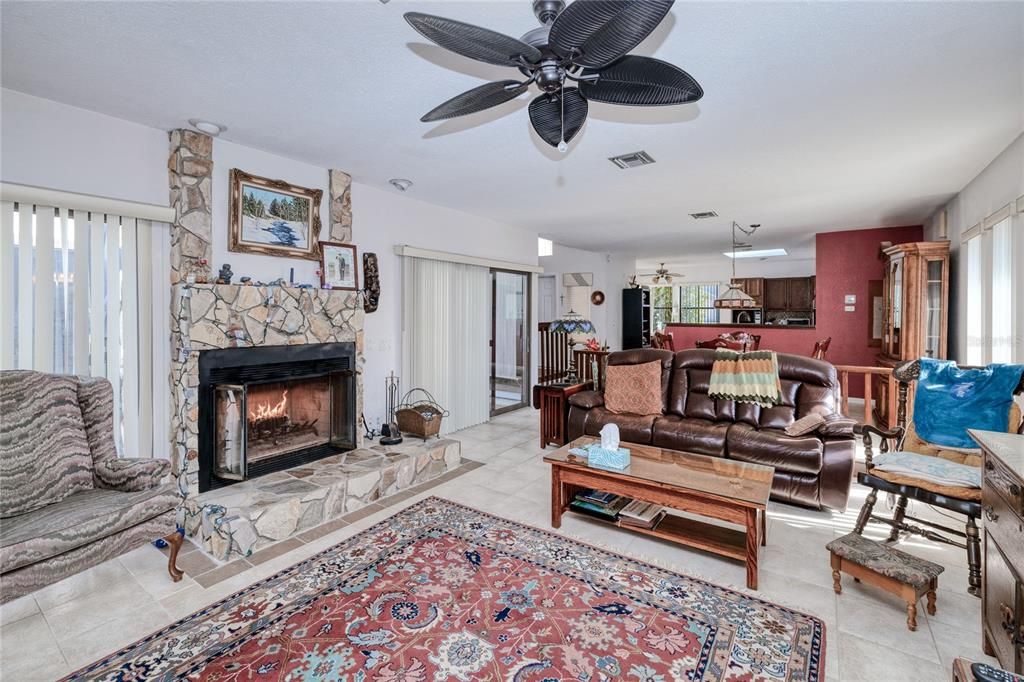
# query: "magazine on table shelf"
610 507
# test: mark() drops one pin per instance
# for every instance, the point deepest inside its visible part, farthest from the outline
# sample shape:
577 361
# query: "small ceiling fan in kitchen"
661 275
586 43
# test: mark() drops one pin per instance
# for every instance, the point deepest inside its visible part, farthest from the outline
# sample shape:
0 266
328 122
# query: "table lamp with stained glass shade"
571 323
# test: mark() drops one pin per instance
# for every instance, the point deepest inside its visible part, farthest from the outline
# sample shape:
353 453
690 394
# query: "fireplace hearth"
273 407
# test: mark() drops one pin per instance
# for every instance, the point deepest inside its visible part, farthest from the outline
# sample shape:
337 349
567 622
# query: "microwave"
747 316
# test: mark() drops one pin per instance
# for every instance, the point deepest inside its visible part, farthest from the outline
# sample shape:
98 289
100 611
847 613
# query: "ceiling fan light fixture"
587 43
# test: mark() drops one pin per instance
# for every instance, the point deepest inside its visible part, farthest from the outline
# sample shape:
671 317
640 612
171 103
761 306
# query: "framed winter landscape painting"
273 217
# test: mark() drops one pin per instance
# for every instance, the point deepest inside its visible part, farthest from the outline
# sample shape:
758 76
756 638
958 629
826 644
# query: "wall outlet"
850 308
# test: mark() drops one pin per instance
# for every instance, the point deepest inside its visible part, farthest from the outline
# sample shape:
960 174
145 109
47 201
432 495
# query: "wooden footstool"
894 571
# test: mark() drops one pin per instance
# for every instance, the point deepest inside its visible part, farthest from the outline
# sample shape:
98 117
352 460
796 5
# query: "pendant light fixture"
734 297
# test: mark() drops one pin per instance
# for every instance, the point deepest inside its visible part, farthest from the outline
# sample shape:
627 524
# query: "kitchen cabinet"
795 294
753 287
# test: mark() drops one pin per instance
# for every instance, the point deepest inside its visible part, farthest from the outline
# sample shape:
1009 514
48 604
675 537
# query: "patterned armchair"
67 501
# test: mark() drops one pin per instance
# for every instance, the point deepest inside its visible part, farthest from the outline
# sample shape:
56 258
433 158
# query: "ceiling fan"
661 274
585 43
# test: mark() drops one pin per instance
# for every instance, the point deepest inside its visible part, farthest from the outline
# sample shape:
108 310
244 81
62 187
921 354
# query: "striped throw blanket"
746 377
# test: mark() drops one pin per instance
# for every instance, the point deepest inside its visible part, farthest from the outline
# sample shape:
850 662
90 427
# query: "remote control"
985 673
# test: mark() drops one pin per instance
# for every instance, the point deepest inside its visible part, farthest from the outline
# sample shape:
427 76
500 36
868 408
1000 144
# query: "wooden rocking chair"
960 500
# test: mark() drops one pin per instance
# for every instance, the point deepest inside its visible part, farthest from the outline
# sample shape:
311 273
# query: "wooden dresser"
1002 501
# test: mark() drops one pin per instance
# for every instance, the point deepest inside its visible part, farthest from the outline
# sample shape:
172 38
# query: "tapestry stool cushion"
884 560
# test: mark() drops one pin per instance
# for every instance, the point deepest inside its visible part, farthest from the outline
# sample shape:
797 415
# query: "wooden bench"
895 571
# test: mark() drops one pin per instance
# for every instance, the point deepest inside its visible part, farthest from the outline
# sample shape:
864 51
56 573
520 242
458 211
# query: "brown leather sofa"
814 470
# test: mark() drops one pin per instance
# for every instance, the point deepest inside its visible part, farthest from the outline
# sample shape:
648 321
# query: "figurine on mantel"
246 281
225 274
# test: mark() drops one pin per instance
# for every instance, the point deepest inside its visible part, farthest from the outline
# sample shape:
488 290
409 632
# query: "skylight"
757 253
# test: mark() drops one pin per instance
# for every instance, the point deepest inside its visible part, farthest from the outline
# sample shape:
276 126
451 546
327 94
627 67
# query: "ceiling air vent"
633 160
703 215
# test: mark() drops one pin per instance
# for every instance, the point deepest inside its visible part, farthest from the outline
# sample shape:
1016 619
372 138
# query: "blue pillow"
950 400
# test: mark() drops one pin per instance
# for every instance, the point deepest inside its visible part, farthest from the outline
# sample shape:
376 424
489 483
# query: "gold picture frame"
273 217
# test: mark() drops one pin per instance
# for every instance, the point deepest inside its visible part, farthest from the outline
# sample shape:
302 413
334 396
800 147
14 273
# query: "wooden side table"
552 399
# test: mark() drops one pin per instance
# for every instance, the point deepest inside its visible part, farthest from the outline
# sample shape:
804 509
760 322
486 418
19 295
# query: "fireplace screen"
259 425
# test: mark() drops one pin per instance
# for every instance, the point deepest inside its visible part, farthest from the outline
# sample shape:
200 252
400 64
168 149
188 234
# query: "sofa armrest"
130 474
587 400
836 426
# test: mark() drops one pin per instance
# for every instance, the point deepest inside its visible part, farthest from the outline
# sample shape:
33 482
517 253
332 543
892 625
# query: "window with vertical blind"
993 256
82 290
697 303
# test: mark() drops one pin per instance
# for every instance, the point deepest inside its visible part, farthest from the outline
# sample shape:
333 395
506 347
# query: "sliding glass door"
510 340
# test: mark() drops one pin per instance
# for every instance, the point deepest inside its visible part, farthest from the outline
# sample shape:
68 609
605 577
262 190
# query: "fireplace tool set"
390 434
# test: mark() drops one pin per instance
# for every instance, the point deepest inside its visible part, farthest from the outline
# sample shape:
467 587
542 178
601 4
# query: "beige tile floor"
78 620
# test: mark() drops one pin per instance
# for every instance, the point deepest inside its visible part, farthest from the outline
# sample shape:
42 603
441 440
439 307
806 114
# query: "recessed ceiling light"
401 184
759 253
208 127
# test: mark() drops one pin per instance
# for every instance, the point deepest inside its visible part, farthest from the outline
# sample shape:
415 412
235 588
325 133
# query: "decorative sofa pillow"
805 424
929 468
633 389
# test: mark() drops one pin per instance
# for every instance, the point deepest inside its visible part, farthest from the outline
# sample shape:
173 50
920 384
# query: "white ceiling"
817 116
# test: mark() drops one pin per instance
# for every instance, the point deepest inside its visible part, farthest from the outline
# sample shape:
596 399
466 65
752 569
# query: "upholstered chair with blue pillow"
67 501
919 461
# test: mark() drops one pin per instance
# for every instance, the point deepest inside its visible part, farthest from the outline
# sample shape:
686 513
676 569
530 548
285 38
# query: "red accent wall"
845 263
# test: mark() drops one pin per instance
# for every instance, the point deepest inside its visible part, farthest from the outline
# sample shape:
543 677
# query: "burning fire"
268 411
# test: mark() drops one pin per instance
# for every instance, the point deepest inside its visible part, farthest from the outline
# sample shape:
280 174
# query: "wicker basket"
420 417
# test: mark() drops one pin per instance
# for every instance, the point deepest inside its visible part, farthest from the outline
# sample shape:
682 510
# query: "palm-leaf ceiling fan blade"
641 81
472 41
601 31
546 116
479 98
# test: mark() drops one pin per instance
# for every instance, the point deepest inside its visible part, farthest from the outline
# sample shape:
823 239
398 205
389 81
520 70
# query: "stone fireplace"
254 343
267 388
270 408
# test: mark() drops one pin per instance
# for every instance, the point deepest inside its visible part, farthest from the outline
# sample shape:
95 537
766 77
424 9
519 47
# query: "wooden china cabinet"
916 308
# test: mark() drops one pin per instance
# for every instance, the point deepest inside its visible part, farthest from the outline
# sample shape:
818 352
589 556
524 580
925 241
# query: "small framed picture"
338 266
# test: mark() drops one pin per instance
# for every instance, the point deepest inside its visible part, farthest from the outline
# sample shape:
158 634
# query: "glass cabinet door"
931 328
896 313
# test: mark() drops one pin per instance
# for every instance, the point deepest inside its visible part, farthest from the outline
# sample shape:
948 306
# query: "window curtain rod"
41 196
444 256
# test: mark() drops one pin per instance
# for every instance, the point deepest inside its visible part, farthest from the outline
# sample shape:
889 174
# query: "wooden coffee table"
718 488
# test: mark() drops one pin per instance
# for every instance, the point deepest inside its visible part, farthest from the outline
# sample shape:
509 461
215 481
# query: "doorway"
510 340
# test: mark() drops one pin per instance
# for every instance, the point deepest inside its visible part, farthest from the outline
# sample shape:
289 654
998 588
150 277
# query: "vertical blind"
78 286
446 334
994 254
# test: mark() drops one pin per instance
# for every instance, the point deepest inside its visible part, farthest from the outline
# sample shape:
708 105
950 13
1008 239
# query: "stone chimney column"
190 171
341 206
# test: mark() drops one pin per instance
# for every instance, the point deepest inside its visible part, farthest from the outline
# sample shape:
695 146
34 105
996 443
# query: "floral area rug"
440 591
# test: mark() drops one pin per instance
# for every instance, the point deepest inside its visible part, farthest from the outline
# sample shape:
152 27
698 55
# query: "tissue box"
608 459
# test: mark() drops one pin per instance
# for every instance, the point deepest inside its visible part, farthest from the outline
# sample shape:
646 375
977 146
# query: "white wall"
47 144
611 275
53 145
1001 182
